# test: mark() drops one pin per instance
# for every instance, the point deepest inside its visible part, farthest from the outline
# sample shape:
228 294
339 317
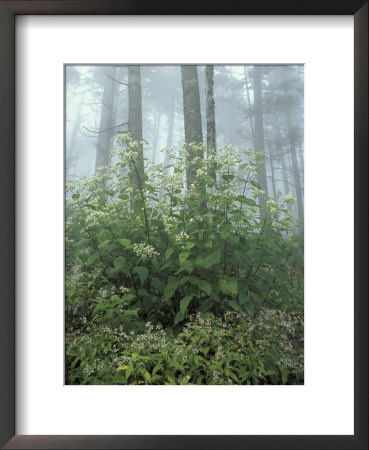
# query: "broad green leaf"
143 292
187 266
243 298
212 259
234 305
224 233
168 253
170 288
229 286
142 272
253 254
129 370
120 264
185 302
201 284
126 243
183 256
112 272
179 317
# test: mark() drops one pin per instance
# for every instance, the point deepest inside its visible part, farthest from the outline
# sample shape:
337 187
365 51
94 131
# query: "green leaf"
170 288
105 243
189 245
131 312
126 243
201 284
257 301
128 297
112 272
200 261
179 317
229 286
224 233
206 305
243 296
255 184
147 375
227 178
185 302
157 284
187 266
234 305
253 254
168 254
183 256
142 272
120 264
284 372
129 370
143 292
212 259
157 368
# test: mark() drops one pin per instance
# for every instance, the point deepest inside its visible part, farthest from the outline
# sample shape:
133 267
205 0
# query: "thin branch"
108 129
117 81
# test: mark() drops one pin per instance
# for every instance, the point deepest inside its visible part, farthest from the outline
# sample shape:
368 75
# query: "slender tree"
135 115
296 172
192 116
210 116
259 131
106 132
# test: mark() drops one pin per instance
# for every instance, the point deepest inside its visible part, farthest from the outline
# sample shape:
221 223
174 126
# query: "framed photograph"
186 186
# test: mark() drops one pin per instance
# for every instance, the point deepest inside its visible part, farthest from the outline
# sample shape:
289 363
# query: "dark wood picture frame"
8 12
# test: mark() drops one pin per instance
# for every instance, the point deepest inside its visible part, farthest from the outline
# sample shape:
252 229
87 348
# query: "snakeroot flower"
288 198
145 251
182 236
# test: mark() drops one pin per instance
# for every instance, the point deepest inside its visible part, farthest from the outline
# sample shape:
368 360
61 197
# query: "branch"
117 81
108 129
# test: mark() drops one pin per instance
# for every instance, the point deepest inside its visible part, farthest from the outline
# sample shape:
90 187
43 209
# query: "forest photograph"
184 224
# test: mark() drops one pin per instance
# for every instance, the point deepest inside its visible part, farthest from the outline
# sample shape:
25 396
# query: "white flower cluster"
145 251
170 223
182 236
272 207
288 198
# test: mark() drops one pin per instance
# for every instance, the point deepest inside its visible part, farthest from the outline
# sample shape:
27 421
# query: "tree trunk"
72 156
192 116
156 133
106 132
259 132
135 116
296 173
210 117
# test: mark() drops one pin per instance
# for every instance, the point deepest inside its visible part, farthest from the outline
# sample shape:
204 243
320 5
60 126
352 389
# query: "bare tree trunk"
156 133
296 173
106 132
135 115
210 117
71 156
249 104
284 175
192 116
259 132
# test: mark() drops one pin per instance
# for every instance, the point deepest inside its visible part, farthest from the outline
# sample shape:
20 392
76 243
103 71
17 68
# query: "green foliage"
235 349
149 249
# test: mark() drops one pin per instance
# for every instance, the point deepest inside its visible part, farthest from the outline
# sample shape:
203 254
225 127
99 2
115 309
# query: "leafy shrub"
146 248
233 349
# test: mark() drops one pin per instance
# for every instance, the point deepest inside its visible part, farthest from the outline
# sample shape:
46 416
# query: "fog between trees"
243 106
